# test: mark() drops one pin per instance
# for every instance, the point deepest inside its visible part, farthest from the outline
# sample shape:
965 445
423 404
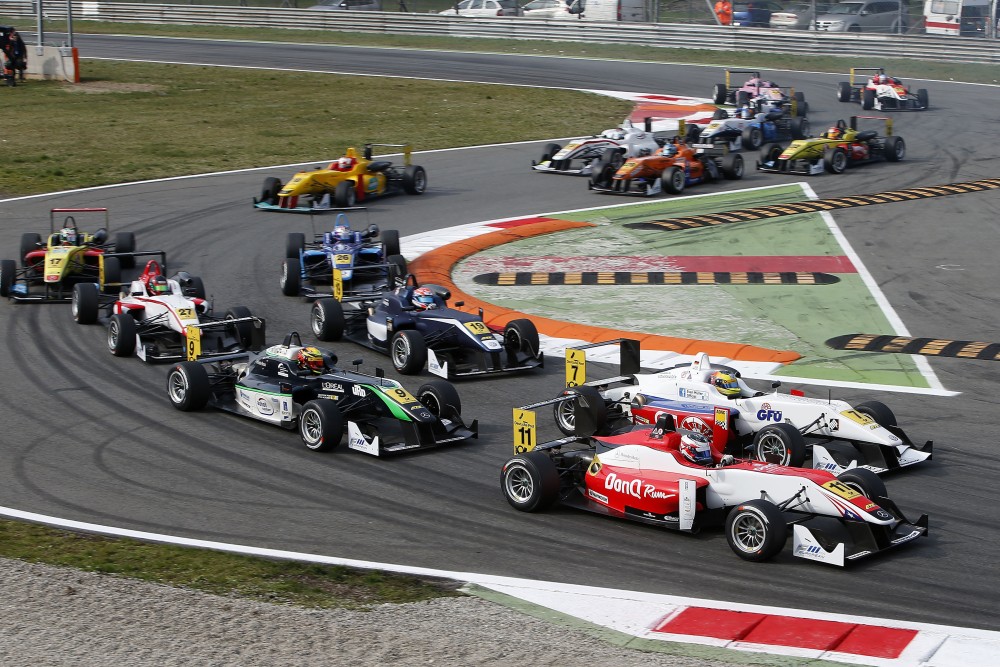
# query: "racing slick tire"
295 243
732 166
720 114
85 303
673 180
867 99
321 425
769 155
390 242
837 163
549 151
692 133
753 138
29 242
121 335
710 169
414 182
522 336
441 398
719 94
408 351
865 482
844 91
344 195
188 386
922 98
801 106
397 268
243 330
878 411
894 148
269 193
742 98
327 319
756 530
8 268
112 275
565 411
800 128
193 286
781 444
125 242
291 279
604 167
530 481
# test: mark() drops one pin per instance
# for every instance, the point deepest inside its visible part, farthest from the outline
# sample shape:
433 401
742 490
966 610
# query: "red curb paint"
800 632
877 642
517 223
716 623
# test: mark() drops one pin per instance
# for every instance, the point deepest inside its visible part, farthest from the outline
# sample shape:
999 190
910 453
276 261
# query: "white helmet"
696 448
615 133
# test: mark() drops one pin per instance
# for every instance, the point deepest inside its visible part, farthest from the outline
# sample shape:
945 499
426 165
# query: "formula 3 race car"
874 89
166 319
579 156
273 386
835 150
671 169
756 86
751 127
51 267
773 427
368 261
452 343
343 183
675 479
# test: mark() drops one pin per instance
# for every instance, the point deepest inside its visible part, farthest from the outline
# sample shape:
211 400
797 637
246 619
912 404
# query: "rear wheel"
742 98
121 335
29 242
732 166
521 336
344 195
756 531
397 268
800 128
865 482
390 242
441 398
673 180
719 93
530 481
327 319
414 182
244 329
837 162
781 444
321 425
753 138
894 149
112 275
408 351
188 386
8 268
125 242
291 278
590 400
295 243
269 193
85 303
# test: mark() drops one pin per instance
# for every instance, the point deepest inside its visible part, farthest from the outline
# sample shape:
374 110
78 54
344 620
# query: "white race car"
580 156
161 319
772 427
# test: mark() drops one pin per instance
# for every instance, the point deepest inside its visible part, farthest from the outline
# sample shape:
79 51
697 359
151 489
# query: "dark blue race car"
751 127
414 326
368 260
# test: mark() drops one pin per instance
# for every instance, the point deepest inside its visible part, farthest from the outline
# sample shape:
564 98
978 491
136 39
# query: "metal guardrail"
728 38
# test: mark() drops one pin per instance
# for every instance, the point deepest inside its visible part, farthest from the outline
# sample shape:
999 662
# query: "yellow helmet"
310 359
725 383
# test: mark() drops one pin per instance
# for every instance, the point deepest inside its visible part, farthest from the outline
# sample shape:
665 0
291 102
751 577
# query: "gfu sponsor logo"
599 497
264 406
333 386
766 414
634 488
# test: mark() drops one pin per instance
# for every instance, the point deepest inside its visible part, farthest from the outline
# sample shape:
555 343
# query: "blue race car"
367 260
752 126
414 326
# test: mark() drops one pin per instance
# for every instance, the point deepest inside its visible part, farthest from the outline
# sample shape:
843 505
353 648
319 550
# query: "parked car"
755 13
484 8
546 9
349 5
864 16
798 16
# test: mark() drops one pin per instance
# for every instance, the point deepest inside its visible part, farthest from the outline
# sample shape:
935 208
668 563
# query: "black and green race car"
380 416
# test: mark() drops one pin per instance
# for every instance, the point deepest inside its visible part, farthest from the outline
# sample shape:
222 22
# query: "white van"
968 18
608 10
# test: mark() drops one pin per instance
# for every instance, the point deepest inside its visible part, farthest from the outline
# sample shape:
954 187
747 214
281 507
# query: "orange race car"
343 183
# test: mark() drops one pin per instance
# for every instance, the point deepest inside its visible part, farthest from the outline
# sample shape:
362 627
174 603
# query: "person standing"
18 53
724 12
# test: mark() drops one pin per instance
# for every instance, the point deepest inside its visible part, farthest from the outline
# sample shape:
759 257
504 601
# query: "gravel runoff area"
58 616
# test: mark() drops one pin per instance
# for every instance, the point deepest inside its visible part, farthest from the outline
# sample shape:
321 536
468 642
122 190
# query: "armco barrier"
730 38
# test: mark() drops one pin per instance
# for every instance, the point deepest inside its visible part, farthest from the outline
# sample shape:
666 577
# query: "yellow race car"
343 183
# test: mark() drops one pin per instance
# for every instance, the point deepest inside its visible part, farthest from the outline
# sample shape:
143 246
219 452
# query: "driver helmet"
67 236
696 448
423 298
881 78
615 133
310 360
725 383
341 233
344 164
158 285
669 150
834 132
746 113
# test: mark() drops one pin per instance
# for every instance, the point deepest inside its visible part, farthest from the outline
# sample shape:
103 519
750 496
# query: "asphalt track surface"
93 438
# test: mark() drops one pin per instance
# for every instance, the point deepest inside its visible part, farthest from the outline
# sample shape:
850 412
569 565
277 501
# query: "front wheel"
295 243
865 482
522 336
441 398
867 99
732 166
269 193
549 151
243 329
291 277
188 386
396 269
390 242
922 98
530 481
121 335
85 303
321 425
327 319
414 182
753 138
756 530
781 444
878 411
408 351
673 180
844 91
8 268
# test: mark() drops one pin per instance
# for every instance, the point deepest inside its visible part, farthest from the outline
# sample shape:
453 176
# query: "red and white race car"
874 89
770 427
167 319
650 475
